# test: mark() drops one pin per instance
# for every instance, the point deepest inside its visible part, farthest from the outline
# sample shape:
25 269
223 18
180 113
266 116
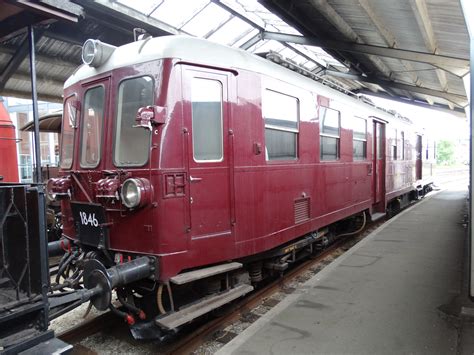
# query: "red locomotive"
191 171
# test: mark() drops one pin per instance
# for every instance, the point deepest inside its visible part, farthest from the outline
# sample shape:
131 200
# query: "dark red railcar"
237 166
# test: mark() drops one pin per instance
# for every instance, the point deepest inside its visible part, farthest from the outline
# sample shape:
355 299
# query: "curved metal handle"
193 179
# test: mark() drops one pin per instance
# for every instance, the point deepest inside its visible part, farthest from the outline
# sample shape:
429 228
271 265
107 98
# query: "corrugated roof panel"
449 27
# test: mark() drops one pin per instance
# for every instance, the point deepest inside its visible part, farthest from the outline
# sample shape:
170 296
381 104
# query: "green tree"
445 152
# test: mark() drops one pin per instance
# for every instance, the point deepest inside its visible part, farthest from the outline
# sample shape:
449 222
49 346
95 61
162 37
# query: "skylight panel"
206 21
230 32
143 6
178 12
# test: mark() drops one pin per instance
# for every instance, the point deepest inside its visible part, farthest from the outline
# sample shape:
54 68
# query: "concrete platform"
394 292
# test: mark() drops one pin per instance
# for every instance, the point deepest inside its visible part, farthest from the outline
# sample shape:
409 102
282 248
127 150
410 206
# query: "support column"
468 11
38 180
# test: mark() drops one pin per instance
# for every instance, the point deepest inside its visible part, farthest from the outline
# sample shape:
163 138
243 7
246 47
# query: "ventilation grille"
301 210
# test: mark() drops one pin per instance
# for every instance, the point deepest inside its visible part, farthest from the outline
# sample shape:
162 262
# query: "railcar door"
206 124
419 154
378 186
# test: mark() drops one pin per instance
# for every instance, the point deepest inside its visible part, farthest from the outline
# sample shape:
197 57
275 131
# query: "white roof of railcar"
196 50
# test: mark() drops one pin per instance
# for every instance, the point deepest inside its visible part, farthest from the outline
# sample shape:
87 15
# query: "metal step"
377 216
187 314
203 273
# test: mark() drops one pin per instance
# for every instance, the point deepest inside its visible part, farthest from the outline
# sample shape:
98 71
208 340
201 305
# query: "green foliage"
445 152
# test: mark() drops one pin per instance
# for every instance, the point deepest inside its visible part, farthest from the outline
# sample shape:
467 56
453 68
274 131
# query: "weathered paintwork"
205 213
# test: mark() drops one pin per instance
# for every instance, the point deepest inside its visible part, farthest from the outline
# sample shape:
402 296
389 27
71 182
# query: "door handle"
193 179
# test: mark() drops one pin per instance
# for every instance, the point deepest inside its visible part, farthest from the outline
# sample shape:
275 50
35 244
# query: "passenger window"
402 134
206 98
330 124
92 122
280 113
359 138
394 145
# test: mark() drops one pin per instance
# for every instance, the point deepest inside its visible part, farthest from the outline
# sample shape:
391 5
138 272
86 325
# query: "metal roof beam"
422 57
16 25
238 14
16 60
454 98
252 41
60 10
112 9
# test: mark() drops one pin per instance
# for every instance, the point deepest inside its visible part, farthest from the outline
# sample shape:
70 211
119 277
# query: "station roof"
416 51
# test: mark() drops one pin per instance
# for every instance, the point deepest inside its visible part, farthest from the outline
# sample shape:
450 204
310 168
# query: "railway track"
205 331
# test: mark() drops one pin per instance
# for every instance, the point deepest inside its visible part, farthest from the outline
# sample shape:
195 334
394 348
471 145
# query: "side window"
206 98
359 138
330 127
280 113
402 136
394 145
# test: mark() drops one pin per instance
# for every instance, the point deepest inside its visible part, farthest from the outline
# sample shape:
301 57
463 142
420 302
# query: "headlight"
136 192
95 53
131 193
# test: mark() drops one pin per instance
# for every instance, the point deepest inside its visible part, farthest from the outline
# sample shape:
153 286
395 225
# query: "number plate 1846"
89 220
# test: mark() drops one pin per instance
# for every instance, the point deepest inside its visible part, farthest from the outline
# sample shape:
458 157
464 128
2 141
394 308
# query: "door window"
206 99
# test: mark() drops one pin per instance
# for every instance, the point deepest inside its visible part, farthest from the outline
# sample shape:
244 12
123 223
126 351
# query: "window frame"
322 134
116 125
74 128
222 86
101 143
270 126
360 140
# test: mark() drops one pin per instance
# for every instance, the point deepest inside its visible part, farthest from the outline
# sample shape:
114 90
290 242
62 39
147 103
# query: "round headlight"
131 193
95 53
89 50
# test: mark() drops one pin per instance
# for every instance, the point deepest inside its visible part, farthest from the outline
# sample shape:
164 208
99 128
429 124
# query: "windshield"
67 135
132 144
92 122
